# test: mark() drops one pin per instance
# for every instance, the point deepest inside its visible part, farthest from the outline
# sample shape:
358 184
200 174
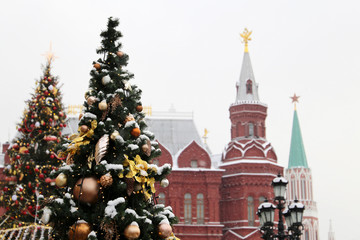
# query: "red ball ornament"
44 171
16 202
27 167
50 119
52 156
19 129
21 198
16 146
5 189
64 125
41 176
29 184
30 208
46 92
61 125
36 170
61 114
18 156
48 180
54 108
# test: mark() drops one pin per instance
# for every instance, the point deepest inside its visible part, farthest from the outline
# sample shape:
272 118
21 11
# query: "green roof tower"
297 157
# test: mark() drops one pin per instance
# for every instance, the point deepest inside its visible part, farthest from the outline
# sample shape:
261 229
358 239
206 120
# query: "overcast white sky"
189 53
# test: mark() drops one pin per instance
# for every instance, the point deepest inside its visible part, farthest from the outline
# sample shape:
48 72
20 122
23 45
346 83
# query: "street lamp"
293 215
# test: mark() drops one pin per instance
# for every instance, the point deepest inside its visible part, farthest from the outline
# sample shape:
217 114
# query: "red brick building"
216 196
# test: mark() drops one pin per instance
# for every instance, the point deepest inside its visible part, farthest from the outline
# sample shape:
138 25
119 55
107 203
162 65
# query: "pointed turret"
297 157
300 180
246 87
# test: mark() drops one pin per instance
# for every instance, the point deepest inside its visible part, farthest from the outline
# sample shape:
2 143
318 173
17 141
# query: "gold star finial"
205 135
246 38
50 55
295 99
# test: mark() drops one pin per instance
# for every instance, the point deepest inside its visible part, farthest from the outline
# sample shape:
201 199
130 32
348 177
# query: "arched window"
303 189
307 235
187 208
251 216
155 161
293 189
251 129
161 199
194 163
261 199
249 87
200 208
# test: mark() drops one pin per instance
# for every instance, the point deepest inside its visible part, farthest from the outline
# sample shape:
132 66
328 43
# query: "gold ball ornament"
84 128
132 232
61 180
91 100
97 66
106 180
165 230
56 117
103 105
114 135
89 190
135 132
119 53
79 231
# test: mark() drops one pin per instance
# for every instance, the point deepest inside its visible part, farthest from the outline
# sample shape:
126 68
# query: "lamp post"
293 215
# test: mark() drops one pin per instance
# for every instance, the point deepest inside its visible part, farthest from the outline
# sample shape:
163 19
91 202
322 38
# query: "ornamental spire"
295 99
246 87
297 157
246 38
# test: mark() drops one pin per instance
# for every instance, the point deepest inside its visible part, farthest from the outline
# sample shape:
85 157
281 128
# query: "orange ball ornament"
79 231
165 230
139 108
135 132
97 66
119 53
89 190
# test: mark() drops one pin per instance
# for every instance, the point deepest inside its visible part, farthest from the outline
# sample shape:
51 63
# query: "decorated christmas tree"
33 153
108 177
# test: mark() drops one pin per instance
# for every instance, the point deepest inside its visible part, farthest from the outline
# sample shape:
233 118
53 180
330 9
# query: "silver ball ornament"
164 183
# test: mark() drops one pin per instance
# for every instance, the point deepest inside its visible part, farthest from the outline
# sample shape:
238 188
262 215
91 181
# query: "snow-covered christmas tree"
108 177
33 153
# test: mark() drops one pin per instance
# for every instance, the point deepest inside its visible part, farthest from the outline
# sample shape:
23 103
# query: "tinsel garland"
17 233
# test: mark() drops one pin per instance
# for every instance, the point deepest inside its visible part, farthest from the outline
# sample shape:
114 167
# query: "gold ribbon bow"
82 139
138 170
